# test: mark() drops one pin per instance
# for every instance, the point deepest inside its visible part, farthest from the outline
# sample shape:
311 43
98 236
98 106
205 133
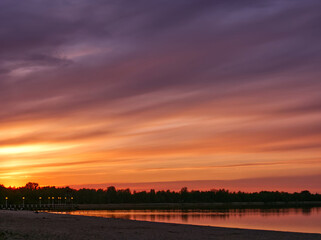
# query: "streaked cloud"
95 92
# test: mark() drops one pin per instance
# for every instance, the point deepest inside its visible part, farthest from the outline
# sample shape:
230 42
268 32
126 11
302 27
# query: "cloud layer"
121 91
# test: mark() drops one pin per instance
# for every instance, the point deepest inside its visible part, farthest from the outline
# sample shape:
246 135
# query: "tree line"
32 194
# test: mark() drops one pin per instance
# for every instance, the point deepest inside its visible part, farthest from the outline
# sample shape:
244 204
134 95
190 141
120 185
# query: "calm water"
293 219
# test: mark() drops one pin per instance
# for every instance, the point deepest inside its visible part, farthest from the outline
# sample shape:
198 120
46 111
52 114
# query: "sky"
100 92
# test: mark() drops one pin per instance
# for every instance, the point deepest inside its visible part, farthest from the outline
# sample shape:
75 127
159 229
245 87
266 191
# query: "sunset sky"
100 92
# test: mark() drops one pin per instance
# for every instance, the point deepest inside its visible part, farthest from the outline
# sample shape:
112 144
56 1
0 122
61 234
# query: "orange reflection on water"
291 219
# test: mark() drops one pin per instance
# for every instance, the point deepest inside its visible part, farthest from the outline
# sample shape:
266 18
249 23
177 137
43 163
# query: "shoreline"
30 225
163 206
196 206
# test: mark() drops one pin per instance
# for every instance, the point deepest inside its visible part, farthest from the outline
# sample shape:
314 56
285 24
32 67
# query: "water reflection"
283 219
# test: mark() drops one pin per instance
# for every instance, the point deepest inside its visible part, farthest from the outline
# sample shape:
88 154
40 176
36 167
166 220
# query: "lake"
287 219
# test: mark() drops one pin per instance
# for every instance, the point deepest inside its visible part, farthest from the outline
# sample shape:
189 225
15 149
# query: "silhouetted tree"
31 191
32 186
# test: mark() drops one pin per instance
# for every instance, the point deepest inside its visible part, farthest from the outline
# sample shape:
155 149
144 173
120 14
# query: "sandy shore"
30 225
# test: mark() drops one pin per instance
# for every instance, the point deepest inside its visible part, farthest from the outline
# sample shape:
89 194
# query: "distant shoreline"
162 206
36 226
169 206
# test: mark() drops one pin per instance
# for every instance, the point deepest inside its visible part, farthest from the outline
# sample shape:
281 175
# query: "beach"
31 225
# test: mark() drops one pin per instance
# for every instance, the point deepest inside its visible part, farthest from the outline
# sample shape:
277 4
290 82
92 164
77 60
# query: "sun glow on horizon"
36 148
